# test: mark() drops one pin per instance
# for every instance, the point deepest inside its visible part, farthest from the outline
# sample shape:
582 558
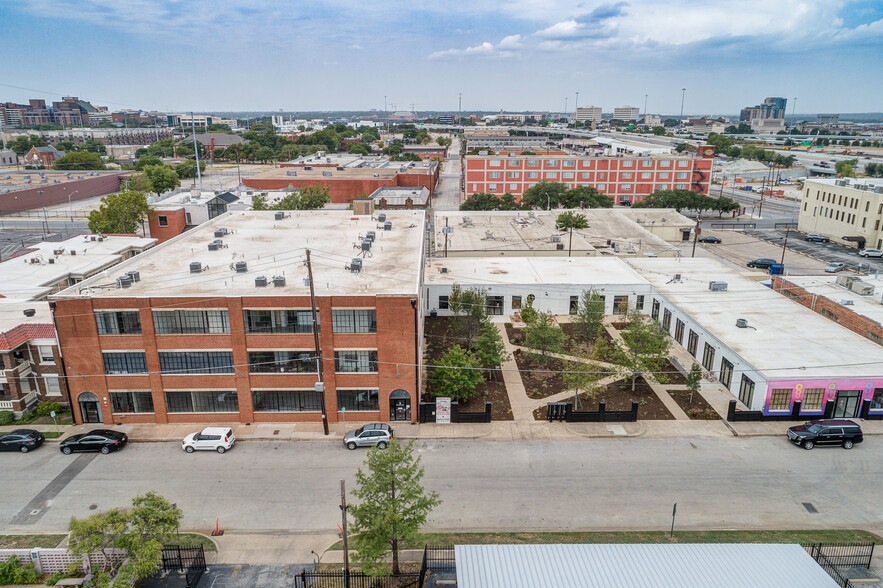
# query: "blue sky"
200 55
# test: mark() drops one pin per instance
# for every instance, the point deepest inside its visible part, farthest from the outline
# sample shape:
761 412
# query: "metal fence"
739 226
312 579
785 225
427 413
190 561
843 555
563 411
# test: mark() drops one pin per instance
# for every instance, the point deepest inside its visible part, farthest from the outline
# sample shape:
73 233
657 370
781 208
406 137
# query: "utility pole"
460 109
645 108
576 105
320 387
794 113
196 149
446 236
785 244
346 549
570 243
696 234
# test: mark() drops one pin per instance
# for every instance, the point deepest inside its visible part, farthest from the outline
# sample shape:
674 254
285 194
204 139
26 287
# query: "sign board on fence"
443 410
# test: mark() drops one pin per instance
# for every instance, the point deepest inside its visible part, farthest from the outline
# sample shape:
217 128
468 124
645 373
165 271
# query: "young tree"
119 213
162 178
146 160
470 311
79 160
139 531
392 505
489 349
571 220
544 195
583 377
187 169
644 347
694 379
543 336
457 374
589 318
481 201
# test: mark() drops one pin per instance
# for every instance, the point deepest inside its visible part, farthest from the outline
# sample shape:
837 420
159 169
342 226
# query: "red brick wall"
177 221
58 193
394 341
848 318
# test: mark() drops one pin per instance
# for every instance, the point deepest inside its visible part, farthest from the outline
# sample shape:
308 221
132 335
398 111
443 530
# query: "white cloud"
510 42
486 49
355 47
562 30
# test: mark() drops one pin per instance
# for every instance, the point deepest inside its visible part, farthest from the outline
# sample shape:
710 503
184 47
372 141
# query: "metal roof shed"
638 565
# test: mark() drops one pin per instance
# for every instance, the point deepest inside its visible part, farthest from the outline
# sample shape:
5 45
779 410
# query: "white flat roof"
638 565
12 314
783 340
468 271
22 278
870 306
275 248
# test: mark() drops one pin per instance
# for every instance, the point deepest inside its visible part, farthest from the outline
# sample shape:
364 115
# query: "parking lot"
825 252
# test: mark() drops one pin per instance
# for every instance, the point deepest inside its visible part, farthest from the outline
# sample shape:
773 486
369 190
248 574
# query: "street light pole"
45 217
696 234
69 205
683 96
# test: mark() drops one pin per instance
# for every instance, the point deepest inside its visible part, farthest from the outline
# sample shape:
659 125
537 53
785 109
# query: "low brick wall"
52 560
88 187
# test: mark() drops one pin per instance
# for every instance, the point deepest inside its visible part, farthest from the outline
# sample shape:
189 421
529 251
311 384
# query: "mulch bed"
671 375
439 336
576 342
699 409
543 383
619 396
515 335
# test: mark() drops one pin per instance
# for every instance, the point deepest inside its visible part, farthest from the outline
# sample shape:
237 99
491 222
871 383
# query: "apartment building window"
279 321
124 362
828 314
646 163
625 175
513 187
586 175
627 162
567 175
664 163
202 401
746 391
533 163
131 402
663 175
569 162
683 163
812 399
551 163
639 302
282 362
513 175
162 220
602 187
494 175
195 362
679 331
475 187
118 322
53 387
354 320
692 342
662 186
726 375
666 320
780 399
516 302
682 175
551 175
625 187
495 163
681 186
355 361
46 355
708 357
491 187
602 175
443 303
646 175
876 225
620 304
286 401
358 400
533 175
189 322
654 310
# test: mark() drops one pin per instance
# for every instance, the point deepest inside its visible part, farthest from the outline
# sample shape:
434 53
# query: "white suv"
871 253
218 439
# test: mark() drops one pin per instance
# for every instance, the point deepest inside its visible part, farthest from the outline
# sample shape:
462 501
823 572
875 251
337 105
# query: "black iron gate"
190 561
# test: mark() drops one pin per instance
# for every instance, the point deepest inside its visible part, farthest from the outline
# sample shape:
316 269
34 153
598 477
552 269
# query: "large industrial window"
127 402
286 401
282 362
780 399
726 376
191 322
442 302
355 361
202 401
746 391
355 400
130 362
196 362
118 322
279 321
654 310
360 320
692 343
812 399
679 331
666 320
877 399
620 304
639 302
708 357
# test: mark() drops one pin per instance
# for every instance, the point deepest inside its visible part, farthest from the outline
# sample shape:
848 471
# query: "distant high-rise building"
626 113
446 119
827 119
588 114
768 116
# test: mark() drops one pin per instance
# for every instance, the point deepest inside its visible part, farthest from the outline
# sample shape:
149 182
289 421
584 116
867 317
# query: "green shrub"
47 406
54 578
27 574
8 571
6 417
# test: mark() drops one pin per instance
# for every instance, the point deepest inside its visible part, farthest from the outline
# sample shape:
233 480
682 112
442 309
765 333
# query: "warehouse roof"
869 306
582 271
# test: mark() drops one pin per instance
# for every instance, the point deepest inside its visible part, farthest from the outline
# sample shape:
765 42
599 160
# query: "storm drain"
809 507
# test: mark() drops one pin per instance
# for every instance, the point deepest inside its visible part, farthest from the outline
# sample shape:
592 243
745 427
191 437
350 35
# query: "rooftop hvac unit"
559 246
220 232
240 267
555 238
846 280
847 302
339 168
100 237
742 323
878 189
355 265
387 226
716 286
278 281
291 173
370 235
215 245
444 270
376 175
124 282
135 275
73 251
260 282
29 312
195 267
381 217
841 182
51 260
366 244
92 237
862 288
57 251
308 168
279 215
326 173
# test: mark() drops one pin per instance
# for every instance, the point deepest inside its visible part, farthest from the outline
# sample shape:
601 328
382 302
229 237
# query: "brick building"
222 331
846 210
42 156
625 179
33 190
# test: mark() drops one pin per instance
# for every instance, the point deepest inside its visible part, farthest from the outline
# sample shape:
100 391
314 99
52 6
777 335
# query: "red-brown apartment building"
215 325
625 179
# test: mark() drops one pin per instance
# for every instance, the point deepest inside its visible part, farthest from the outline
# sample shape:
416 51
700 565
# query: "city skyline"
243 56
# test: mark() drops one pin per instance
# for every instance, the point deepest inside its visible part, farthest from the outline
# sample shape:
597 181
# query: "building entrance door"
400 406
89 408
847 404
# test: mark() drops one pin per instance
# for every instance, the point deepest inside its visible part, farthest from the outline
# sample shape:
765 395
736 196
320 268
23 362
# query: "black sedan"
762 263
22 440
103 440
709 239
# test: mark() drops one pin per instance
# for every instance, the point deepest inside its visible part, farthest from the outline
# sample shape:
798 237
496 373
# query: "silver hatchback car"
379 434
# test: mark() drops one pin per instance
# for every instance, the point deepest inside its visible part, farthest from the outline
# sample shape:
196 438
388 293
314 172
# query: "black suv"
826 432
761 263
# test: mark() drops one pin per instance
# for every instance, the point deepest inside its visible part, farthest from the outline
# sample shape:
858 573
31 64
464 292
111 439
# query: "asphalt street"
760 482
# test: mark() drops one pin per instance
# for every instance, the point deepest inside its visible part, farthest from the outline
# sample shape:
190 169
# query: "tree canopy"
644 347
485 201
119 213
571 220
162 178
308 198
79 160
456 374
687 200
547 195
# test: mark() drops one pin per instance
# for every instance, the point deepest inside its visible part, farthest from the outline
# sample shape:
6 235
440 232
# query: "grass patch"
195 540
29 541
801 536
52 434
